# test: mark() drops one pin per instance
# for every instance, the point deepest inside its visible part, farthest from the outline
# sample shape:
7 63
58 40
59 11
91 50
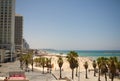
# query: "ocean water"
89 53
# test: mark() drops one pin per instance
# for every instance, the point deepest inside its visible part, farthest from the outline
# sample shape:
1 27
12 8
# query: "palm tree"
31 62
73 54
31 58
94 66
77 64
72 63
43 60
39 61
21 58
27 58
99 67
112 66
60 63
104 68
86 67
71 58
36 60
47 64
118 66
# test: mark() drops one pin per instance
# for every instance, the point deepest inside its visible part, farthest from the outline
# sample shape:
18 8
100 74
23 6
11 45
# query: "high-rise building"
7 22
25 45
18 32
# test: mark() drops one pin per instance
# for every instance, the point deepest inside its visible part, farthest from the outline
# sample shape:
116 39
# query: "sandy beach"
65 66
66 72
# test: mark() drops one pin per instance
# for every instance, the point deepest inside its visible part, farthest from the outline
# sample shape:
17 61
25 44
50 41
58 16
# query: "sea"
88 53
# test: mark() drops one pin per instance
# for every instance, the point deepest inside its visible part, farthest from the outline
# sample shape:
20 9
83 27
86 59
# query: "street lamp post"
79 74
32 60
50 64
32 64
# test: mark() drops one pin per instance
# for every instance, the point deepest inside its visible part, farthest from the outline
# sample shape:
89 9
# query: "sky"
71 24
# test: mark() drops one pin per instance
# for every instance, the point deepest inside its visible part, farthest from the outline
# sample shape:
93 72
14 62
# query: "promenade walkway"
32 76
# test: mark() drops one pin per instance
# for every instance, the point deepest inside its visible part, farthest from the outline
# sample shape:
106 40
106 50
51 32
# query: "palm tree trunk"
72 73
43 69
26 66
36 64
112 77
105 77
22 67
76 71
47 69
99 75
20 64
50 69
86 74
32 66
94 72
60 73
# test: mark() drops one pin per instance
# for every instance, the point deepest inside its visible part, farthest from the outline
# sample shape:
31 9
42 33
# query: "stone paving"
32 76
7 67
38 76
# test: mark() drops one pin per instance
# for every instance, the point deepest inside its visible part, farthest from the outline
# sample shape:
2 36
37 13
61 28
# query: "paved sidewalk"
32 76
9 66
38 76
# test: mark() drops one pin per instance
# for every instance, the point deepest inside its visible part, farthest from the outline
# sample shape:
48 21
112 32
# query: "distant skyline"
71 24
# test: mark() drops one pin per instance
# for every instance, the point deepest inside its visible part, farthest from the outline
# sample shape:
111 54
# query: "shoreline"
86 53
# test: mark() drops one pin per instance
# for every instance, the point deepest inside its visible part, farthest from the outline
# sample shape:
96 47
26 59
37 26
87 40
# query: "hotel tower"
18 32
7 25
